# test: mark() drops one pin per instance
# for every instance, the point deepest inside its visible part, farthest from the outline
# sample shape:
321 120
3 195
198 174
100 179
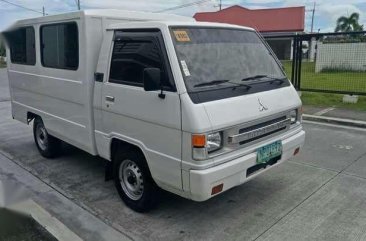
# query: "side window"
60 46
130 58
22 46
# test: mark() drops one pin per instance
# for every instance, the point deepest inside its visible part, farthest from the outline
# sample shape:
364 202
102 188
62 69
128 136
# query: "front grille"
258 126
261 130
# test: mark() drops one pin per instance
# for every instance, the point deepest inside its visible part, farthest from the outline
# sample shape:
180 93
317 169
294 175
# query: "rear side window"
60 46
22 46
130 58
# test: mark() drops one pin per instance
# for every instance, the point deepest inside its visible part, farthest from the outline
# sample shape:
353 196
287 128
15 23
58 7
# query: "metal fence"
324 62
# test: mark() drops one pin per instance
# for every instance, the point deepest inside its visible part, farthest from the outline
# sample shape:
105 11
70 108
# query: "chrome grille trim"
259 132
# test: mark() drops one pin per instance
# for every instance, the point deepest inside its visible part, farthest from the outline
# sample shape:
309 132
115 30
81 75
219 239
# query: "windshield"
220 57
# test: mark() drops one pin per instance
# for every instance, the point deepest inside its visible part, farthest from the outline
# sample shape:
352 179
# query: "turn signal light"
217 189
199 141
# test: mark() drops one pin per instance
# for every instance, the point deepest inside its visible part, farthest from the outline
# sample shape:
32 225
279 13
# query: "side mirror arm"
152 81
161 94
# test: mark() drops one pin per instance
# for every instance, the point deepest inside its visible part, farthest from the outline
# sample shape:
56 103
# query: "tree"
349 24
2 48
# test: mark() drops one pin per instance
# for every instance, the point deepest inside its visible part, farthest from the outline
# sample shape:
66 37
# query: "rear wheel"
47 145
133 180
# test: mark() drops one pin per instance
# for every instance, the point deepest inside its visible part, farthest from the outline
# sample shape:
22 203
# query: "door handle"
109 98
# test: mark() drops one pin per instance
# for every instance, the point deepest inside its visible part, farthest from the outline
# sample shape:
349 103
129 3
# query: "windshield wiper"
254 77
213 82
271 79
279 81
216 82
242 85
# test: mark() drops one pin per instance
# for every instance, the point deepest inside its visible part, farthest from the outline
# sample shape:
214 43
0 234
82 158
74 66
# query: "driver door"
139 117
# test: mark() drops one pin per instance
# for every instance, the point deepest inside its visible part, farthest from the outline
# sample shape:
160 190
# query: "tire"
133 180
47 145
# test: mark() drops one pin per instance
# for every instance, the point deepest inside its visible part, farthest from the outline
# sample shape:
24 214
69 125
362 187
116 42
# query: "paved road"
319 195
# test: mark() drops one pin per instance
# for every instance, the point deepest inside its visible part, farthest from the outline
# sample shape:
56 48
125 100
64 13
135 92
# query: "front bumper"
234 172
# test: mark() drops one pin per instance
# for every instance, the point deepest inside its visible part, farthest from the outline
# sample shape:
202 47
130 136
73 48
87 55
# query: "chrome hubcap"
131 179
41 135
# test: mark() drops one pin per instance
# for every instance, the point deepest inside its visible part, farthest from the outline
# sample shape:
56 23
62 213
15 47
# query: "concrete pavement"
336 113
82 222
319 195
334 120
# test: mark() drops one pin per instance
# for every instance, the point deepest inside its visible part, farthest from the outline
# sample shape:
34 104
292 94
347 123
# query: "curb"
56 228
333 120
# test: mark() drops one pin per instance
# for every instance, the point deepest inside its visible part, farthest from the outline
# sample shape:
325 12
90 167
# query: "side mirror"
152 79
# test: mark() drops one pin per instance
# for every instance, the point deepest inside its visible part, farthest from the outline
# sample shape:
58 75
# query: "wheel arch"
31 116
119 143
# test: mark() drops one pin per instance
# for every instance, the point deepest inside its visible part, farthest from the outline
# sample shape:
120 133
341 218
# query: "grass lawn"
331 100
2 62
338 81
341 81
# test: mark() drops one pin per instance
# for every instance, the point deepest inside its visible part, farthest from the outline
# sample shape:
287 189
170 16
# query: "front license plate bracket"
269 152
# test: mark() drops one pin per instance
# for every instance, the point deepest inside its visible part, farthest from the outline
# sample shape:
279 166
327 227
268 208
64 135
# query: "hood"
238 110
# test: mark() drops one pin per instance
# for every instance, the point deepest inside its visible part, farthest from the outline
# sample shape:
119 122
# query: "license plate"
266 153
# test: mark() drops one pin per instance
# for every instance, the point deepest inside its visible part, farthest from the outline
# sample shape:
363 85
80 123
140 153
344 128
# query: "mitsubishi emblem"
261 106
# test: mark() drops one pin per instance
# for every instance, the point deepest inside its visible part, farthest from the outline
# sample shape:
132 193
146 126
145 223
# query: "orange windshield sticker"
182 36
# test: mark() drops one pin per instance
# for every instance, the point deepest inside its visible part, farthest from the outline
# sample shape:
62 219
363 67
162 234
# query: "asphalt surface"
318 195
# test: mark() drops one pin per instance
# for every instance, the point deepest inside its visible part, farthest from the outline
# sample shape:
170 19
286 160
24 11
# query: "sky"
326 13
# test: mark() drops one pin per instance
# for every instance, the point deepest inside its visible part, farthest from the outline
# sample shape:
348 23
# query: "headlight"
214 142
203 145
293 116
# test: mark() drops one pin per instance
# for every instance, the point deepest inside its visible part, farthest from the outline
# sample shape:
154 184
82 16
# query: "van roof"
107 13
179 23
133 16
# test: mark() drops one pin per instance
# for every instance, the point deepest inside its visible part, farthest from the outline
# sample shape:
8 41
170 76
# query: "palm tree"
349 24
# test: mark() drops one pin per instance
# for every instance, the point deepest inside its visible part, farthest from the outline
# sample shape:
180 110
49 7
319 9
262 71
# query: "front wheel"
133 180
47 145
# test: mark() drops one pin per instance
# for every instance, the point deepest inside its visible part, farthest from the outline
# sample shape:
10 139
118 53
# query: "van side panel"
58 96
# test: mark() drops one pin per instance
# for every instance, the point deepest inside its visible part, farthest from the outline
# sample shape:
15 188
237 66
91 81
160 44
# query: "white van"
193 108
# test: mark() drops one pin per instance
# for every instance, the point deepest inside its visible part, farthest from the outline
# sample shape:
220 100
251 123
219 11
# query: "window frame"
34 48
42 48
153 35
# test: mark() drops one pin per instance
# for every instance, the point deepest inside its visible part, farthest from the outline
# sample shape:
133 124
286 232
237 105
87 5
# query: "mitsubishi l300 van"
193 108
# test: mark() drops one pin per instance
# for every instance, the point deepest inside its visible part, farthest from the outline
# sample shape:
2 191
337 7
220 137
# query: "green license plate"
266 153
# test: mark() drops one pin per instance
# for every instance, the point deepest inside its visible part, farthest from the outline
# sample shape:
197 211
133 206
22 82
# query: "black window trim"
146 34
41 42
34 47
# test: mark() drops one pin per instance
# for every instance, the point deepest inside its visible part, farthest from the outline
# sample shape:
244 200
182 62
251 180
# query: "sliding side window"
60 46
22 46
